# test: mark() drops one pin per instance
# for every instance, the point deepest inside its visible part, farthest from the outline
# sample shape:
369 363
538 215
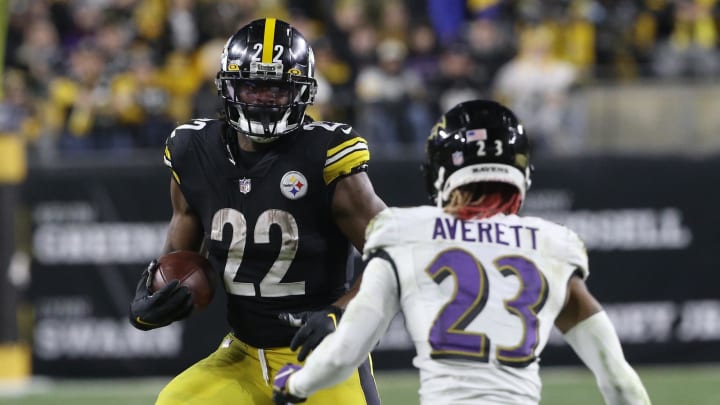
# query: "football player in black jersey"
277 201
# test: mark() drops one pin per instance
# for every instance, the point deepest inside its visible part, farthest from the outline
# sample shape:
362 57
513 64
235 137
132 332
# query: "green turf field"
667 386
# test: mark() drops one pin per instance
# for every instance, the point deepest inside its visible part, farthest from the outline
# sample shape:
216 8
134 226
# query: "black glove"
281 395
314 326
153 310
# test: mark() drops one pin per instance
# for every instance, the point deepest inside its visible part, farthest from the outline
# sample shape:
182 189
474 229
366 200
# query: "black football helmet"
266 79
476 141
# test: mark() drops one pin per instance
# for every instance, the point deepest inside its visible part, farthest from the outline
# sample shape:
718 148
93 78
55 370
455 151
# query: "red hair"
483 200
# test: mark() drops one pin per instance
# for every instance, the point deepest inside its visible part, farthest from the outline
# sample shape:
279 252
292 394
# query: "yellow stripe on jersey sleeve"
350 142
167 159
342 159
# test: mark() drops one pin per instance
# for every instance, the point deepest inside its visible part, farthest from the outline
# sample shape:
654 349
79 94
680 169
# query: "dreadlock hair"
483 200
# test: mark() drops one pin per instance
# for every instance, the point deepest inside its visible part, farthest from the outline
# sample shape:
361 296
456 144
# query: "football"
192 270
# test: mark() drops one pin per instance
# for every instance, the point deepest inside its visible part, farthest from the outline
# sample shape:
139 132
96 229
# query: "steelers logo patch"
293 185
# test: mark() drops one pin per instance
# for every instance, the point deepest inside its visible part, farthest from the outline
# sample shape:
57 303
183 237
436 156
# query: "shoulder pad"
379 231
347 151
328 126
577 253
179 140
567 246
395 226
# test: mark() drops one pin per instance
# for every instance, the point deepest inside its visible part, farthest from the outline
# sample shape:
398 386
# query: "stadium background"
621 97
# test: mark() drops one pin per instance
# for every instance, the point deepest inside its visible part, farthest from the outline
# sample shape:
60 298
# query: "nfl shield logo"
458 158
244 185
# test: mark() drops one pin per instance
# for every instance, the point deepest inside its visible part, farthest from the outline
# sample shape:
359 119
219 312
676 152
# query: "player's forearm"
344 300
597 344
343 351
363 324
332 362
185 230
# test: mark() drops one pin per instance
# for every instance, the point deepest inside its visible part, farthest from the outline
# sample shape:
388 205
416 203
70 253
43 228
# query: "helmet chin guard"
266 127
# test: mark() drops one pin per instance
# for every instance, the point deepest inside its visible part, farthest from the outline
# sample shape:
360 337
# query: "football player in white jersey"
480 287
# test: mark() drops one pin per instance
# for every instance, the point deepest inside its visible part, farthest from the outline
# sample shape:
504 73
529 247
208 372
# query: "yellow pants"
239 374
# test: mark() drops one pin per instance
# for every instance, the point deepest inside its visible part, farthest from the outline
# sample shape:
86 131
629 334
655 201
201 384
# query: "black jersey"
268 224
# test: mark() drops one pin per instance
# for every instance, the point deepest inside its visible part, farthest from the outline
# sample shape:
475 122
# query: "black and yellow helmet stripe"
268 40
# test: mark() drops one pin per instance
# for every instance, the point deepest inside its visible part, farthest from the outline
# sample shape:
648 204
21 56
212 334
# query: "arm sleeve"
363 324
598 346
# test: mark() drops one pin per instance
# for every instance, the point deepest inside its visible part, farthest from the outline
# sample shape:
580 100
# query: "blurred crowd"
116 75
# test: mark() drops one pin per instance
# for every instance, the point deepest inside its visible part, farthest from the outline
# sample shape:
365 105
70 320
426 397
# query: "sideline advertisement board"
93 232
649 225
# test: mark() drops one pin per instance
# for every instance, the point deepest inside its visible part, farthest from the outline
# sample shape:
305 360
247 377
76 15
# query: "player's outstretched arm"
364 323
314 326
588 330
150 310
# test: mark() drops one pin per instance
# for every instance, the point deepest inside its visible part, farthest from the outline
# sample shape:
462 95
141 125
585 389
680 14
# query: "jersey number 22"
270 285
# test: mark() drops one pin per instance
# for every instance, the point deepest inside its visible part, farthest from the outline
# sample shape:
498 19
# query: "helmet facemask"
264 109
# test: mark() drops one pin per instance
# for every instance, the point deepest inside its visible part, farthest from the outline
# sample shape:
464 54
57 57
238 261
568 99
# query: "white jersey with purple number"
479 298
